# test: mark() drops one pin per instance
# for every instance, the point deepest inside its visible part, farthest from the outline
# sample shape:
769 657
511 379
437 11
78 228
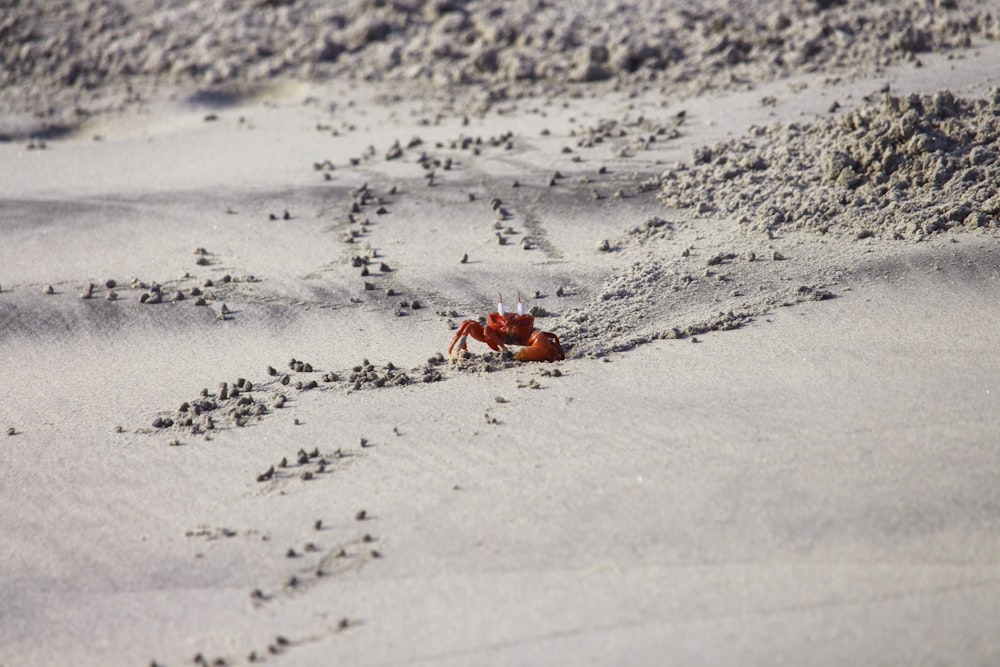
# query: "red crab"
502 330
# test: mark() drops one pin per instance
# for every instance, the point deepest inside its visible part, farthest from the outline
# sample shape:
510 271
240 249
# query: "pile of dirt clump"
63 52
902 168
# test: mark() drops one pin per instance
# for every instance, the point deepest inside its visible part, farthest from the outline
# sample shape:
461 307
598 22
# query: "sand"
229 431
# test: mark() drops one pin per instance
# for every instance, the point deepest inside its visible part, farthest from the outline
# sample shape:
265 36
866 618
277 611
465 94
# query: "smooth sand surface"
740 462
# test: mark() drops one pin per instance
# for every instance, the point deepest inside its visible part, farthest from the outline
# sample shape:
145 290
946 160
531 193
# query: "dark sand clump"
902 168
81 56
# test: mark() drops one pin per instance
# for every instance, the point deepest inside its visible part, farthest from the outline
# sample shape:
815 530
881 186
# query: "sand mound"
902 168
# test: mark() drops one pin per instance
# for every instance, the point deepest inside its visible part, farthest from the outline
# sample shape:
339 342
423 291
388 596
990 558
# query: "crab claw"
542 346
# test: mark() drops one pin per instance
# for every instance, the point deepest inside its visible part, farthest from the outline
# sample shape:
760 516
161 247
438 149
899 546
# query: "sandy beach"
236 242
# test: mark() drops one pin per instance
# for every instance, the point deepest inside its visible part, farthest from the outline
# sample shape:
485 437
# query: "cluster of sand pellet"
904 167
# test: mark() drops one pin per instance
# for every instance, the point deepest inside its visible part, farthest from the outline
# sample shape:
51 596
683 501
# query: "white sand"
817 486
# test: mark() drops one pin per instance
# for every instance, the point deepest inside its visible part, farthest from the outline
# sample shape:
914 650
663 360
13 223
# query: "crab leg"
468 327
478 332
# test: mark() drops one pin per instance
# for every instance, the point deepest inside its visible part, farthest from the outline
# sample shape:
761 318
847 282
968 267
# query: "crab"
502 330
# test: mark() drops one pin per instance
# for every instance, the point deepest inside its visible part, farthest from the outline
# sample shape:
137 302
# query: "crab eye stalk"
500 308
520 306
